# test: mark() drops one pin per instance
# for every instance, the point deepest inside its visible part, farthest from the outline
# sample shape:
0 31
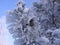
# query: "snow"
37 25
5 36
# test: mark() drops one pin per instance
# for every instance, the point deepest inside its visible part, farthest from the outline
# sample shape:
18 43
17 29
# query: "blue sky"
10 4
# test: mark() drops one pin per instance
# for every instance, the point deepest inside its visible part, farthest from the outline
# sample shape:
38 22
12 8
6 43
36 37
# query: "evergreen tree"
48 14
14 21
39 25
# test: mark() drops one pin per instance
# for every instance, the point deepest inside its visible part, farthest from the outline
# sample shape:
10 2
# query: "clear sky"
5 36
10 4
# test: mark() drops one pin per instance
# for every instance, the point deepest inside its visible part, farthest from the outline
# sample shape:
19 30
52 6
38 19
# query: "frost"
37 25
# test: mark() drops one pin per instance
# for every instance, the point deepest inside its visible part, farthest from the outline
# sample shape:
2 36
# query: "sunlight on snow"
5 37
